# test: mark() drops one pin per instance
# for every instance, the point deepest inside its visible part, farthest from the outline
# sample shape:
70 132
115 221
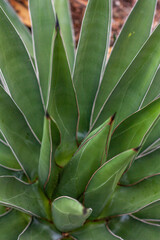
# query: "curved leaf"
133 35
12 224
91 53
143 167
104 181
131 199
19 75
62 103
48 171
94 231
133 131
128 94
19 26
129 228
62 9
43 24
18 135
40 229
150 212
85 162
68 214
24 197
7 159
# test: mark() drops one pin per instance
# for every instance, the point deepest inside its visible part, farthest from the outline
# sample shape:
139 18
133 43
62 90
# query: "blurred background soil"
121 9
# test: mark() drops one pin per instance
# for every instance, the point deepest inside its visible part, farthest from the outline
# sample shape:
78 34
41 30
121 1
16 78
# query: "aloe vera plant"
79 134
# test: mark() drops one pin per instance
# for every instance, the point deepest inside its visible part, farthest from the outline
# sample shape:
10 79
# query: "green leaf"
129 92
43 25
7 158
8 172
18 135
132 37
129 228
154 90
143 167
153 93
48 171
19 26
85 162
91 54
12 224
104 181
2 138
62 103
150 212
62 8
3 210
94 231
133 131
19 75
40 229
137 196
68 214
24 197
153 139
153 146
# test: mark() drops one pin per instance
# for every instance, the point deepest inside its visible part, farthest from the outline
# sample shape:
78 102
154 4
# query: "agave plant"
80 134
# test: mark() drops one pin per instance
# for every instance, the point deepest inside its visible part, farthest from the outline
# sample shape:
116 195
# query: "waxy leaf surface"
85 162
94 231
131 199
18 135
19 75
133 131
40 229
104 181
151 212
62 103
68 214
48 171
23 197
2 210
152 141
8 172
129 228
129 92
143 167
130 41
19 26
154 89
91 54
62 9
12 224
7 159
43 25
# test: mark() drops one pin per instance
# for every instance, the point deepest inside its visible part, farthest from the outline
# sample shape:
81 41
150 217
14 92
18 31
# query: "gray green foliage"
79 135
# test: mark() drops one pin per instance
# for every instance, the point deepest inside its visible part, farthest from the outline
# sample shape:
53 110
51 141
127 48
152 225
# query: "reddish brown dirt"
121 9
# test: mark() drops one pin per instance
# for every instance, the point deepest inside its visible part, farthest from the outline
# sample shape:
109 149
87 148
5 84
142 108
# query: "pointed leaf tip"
69 214
48 116
75 176
57 24
136 149
112 118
